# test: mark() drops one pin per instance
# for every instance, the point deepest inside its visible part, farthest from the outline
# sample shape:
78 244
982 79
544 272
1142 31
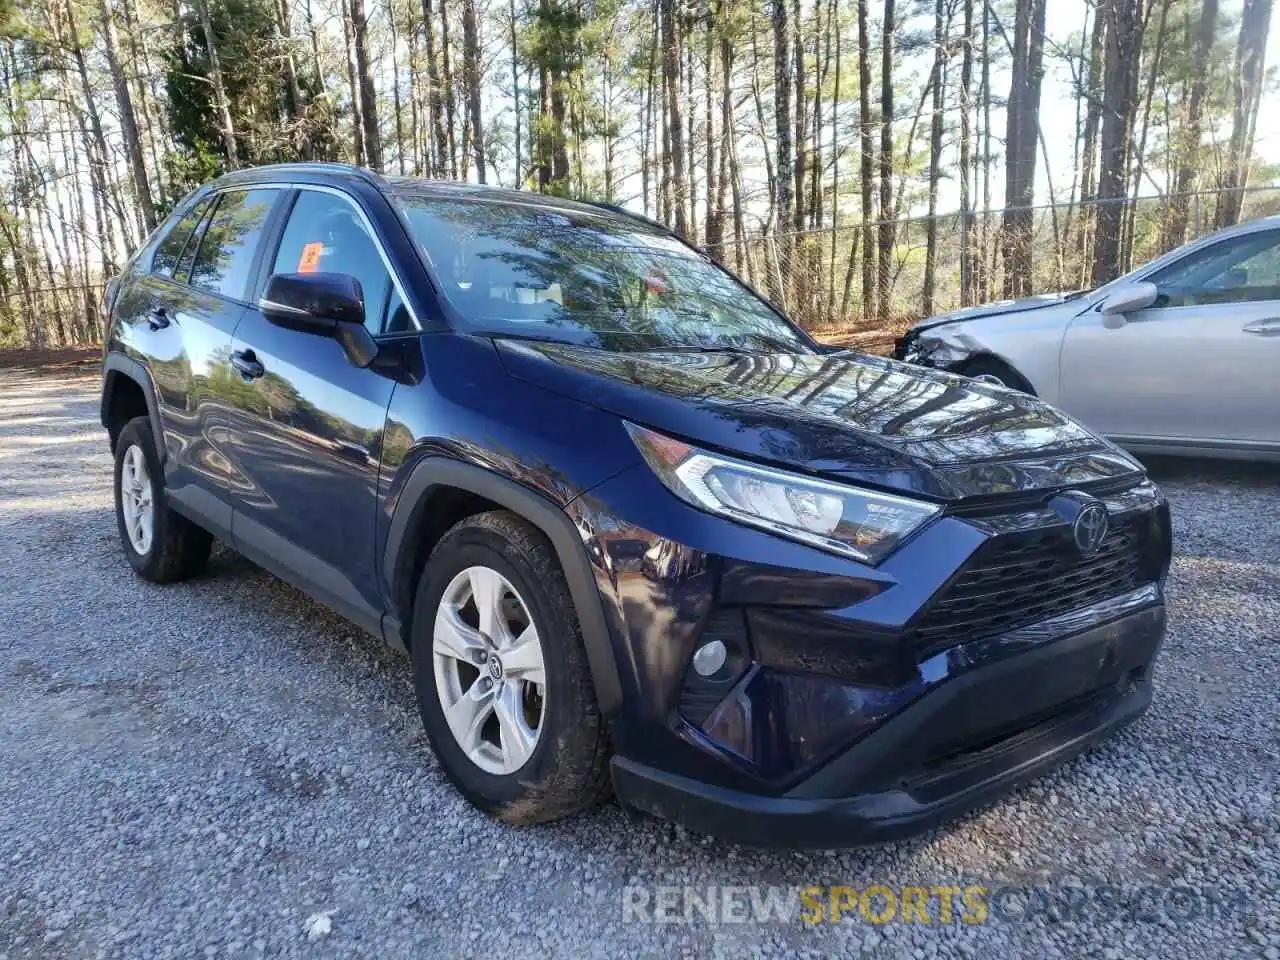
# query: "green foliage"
257 93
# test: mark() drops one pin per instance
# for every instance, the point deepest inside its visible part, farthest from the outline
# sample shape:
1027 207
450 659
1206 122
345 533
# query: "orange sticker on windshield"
310 258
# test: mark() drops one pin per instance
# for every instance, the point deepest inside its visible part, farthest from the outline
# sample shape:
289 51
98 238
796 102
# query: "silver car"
1181 356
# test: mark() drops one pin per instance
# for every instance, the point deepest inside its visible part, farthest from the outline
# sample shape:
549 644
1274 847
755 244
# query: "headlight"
862 524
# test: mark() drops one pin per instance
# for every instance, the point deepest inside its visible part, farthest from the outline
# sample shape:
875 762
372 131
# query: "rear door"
310 423
204 301
1196 367
183 333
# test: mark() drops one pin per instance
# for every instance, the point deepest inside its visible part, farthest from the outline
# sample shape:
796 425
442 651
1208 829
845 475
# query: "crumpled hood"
1001 307
850 416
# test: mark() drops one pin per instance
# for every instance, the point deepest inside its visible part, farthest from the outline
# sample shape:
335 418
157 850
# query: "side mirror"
325 304
1129 298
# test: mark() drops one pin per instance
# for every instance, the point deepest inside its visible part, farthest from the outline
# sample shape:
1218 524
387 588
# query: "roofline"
272 171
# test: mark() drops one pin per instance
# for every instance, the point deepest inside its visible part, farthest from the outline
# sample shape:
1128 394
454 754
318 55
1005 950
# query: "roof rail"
364 173
623 211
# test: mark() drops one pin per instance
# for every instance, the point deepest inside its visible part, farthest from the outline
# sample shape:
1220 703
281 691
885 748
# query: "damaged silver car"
1181 356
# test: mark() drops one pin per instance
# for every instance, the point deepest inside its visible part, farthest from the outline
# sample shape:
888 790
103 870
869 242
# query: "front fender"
433 472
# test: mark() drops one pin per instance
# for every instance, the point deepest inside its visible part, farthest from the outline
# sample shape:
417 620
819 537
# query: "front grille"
1017 579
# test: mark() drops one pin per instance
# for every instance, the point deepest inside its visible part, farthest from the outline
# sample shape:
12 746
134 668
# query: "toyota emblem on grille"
1090 528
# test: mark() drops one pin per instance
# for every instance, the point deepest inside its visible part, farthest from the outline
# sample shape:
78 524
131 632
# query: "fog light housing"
709 659
718 662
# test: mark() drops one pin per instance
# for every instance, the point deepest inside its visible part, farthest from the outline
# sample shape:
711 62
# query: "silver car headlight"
863 524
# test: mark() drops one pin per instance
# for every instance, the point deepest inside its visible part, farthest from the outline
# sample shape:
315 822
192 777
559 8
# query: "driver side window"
325 234
1244 269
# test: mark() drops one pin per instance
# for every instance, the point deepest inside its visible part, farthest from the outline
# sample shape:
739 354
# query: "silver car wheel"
137 499
489 670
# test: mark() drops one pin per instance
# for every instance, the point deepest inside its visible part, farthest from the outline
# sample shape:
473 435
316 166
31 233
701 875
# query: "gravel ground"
223 768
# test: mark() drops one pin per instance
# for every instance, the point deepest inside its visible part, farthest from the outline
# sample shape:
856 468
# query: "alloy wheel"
137 500
489 670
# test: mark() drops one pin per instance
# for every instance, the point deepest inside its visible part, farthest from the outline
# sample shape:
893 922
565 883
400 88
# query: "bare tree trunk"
935 158
1124 46
726 133
986 259
225 126
646 116
543 146
1246 88
368 99
128 120
1140 150
675 122
713 231
870 308
1092 118
834 17
800 105
967 265
138 51
691 164
1188 139
471 77
397 107
1021 140
446 59
515 94
96 152
353 83
435 105
886 238
293 89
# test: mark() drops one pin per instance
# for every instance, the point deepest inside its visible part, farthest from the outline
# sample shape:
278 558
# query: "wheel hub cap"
137 499
489 670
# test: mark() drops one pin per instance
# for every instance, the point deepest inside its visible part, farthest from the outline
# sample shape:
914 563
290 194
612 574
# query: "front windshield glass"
556 272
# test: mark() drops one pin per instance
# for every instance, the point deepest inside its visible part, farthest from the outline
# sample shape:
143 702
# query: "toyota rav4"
638 532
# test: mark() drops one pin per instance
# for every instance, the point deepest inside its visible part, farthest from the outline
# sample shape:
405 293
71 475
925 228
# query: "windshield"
554 272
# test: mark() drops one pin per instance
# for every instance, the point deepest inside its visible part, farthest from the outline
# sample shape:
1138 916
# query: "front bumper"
959 746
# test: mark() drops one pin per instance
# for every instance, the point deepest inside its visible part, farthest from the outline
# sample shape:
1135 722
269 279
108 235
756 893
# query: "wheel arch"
989 358
437 483
121 376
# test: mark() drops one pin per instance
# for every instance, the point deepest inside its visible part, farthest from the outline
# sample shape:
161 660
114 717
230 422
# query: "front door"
1198 365
312 429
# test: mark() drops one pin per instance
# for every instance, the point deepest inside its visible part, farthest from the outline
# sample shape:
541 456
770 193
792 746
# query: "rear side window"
225 260
169 250
182 274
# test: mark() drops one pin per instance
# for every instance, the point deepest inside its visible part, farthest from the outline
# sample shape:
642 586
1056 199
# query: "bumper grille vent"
1018 579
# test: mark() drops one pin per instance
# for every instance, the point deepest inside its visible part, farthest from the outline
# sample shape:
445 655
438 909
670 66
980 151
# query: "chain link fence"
821 278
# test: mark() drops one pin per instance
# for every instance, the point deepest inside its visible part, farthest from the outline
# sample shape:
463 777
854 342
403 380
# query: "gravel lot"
197 770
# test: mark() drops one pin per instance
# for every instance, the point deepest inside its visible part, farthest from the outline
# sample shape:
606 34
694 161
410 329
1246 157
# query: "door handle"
158 319
247 364
1270 327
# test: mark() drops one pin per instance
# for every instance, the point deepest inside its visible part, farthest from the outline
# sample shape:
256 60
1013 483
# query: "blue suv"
638 533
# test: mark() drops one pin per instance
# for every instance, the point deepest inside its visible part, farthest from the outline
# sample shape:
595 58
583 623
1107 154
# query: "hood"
1001 307
852 416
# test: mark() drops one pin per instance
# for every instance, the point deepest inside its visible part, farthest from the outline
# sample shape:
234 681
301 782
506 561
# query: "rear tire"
162 546
521 750
996 371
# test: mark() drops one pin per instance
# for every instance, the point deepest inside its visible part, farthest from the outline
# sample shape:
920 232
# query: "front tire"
162 546
501 674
